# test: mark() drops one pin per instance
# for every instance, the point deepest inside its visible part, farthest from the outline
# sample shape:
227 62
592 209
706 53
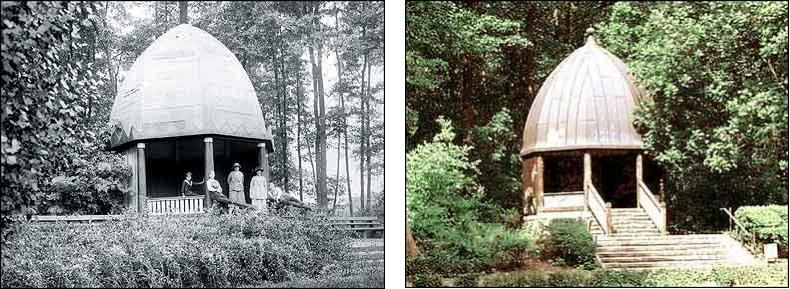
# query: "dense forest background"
63 61
717 73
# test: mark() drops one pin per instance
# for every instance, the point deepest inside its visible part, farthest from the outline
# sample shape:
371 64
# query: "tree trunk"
367 136
411 246
468 92
182 12
277 108
284 122
317 109
345 124
362 133
337 175
299 131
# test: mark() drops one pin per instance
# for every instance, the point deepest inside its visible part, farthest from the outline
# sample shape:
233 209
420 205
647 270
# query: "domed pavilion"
186 104
580 151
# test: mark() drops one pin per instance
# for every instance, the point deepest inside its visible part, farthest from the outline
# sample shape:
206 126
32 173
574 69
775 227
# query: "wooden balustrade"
601 211
176 205
650 205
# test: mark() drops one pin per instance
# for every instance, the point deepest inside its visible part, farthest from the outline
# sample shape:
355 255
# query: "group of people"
259 189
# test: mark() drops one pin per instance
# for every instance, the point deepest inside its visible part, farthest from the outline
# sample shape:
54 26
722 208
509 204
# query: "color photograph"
596 144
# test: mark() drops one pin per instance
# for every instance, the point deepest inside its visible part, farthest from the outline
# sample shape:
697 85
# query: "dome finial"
590 36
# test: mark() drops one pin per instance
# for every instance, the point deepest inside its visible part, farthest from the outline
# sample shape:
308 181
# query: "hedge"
769 223
208 250
569 242
763 275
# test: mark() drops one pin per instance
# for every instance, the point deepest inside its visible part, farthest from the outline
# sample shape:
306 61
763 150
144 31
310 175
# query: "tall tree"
182 12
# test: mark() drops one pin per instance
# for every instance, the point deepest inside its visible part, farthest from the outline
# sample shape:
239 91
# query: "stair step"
651 242
669 253
663 248
664 264
627 259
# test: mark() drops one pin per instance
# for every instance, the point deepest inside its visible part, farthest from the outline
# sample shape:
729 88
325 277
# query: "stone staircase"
637 243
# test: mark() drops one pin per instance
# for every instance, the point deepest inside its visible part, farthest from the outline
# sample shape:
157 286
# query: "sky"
329 72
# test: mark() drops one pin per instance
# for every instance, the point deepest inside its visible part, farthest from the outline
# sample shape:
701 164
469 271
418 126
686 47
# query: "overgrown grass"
210 250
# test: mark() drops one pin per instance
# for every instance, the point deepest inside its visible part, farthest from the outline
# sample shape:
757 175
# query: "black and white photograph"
192 144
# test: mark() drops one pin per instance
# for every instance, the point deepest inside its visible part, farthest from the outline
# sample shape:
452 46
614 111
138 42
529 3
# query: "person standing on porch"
259 190
236 184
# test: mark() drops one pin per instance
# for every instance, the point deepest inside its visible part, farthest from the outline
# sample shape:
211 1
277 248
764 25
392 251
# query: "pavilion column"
539 184
638 177
208 157
263 160
587 177
141 184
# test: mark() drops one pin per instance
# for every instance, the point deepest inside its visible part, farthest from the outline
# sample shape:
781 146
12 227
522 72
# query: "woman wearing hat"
258 190
236 184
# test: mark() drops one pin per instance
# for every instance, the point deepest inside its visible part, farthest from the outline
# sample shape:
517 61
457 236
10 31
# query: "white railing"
600 211
650 205
176 205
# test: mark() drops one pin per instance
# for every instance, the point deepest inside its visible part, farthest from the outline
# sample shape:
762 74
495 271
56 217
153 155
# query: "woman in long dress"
236 185
258 190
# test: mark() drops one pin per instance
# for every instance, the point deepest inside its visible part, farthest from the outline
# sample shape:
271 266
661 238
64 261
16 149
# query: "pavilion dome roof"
587 102
186 83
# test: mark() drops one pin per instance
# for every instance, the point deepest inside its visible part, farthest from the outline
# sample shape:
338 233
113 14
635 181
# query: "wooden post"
539 185
587 177
638 177
609 225
141 184
208 144
263 160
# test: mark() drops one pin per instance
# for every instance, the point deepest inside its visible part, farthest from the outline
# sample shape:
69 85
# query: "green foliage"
569 241
211 250
448 214
499 159
466 280
441 191
769 223
427 280
717 73
763 275
617 278
439 28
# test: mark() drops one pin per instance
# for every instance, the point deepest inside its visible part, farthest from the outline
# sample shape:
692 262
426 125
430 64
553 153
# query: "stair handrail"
652 208
747 232
597 206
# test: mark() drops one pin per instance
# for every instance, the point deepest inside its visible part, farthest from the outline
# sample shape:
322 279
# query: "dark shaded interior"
613 174
563 173
168 160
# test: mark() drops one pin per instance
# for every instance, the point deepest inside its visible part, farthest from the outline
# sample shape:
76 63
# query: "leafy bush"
211 250
769 223
446 208
569 240
607 278
466 280
427 280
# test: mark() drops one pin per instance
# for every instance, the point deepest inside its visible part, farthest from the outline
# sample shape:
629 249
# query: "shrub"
569 240
427 280
607 278
769 223
208 250
570 278
764 275
446 209
466 280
